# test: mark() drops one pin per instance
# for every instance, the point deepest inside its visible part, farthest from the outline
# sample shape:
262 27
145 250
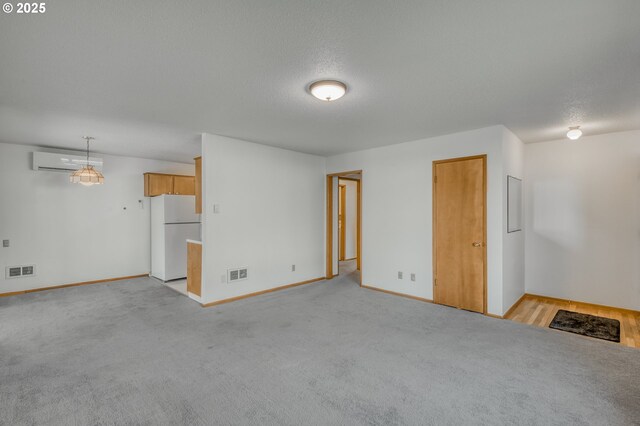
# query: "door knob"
476 244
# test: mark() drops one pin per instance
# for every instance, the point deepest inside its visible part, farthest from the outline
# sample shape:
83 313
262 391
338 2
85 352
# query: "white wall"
397 209
513 242
582 214
351 218
71 232
272 215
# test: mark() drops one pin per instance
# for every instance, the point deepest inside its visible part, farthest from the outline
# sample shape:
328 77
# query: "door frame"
483 157
342 213
329 221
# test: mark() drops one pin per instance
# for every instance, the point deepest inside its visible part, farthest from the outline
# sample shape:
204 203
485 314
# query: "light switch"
5 243
216 208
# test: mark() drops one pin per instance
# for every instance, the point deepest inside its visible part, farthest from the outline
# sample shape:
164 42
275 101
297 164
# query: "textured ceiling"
145 77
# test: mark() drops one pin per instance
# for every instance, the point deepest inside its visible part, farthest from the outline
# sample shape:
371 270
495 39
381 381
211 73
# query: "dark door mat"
587 325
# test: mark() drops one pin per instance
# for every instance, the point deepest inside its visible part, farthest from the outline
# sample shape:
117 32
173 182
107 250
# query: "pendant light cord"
88 139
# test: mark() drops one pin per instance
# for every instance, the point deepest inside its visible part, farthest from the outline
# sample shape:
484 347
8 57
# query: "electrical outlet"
293 268
399 275
413 276
5 243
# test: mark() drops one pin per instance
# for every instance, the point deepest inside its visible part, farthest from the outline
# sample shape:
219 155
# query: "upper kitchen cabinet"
184 185
198 184
159 183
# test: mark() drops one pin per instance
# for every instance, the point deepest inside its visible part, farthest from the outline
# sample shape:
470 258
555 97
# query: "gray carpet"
135 352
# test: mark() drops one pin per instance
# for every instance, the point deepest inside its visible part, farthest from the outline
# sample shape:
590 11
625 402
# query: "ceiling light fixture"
328 90
574 133
87 175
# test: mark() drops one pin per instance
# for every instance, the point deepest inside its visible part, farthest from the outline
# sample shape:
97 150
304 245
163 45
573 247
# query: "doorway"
459 233
344 212
342 218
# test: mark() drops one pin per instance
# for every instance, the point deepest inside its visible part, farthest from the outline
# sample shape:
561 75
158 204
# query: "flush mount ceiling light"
574 133
328 90
87 175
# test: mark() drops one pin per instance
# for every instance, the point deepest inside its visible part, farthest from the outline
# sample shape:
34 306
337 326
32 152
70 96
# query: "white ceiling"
145 77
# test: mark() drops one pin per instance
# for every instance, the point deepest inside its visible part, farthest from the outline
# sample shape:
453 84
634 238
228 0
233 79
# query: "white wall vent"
62 162
20 271
238 274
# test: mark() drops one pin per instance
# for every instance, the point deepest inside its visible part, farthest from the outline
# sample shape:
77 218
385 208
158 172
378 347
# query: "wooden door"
359 227
342 217
157 184
459 232
184 185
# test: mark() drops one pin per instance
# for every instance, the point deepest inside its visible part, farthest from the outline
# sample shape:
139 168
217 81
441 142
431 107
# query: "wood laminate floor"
539 311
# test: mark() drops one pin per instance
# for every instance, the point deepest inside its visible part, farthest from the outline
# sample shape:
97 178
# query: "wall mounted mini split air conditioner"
47 161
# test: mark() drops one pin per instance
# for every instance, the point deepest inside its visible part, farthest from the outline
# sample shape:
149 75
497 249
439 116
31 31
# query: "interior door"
342 216
459 216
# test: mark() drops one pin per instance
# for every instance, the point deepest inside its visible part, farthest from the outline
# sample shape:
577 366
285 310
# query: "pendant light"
87 175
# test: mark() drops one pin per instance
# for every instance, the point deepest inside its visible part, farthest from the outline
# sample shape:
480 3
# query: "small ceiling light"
328 90
87 175
574 133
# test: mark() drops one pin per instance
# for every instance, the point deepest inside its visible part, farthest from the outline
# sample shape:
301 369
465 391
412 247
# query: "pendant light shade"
87 175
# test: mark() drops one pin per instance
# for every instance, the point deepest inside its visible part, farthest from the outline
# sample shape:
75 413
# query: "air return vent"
238 274
20 271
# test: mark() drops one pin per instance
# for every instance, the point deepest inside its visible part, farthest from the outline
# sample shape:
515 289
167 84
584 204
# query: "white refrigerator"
173 221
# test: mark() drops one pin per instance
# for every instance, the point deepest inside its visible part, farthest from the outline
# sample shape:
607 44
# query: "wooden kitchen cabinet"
157 184
184 185
198 185
160 183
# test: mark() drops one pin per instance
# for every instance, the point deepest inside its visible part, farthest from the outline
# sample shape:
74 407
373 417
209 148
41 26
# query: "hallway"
347 270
